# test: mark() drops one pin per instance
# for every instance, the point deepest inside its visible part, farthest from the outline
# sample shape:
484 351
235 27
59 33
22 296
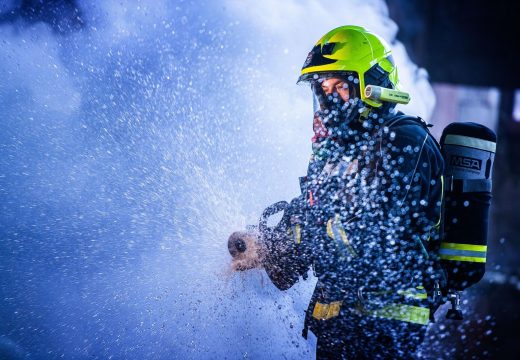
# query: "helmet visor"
333 91
335 97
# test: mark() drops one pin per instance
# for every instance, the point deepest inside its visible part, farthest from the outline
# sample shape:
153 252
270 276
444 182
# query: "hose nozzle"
237 244
246 250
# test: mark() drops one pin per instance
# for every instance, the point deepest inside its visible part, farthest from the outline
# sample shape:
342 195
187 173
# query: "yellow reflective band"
344 238
463 252
413 294
469 247
297 233
326 311
335 231
408 313
472 142
463 258
329 229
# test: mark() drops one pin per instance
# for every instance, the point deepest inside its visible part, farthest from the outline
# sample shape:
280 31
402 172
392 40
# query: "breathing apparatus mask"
336 103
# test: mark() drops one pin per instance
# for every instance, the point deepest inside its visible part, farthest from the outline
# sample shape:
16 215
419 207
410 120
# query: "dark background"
476 44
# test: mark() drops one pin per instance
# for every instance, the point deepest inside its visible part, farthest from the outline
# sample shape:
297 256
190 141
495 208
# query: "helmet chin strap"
365 114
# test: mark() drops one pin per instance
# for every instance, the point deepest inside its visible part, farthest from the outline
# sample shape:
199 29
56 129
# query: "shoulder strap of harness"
401 117
435 291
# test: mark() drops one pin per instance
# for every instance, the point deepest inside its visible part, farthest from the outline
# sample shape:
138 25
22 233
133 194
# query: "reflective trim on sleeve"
297 233
418 294
408 313
335 231
326 311
329 229
471 142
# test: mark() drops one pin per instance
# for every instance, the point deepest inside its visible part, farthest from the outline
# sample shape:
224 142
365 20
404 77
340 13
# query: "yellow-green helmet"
353 49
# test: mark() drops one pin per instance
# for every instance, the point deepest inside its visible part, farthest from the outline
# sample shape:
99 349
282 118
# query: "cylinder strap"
469 185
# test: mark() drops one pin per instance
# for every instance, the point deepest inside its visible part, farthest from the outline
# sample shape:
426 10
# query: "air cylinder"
469 152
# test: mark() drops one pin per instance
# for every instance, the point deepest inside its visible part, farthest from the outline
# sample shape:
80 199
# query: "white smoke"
282 34
292 27
189 121
32 63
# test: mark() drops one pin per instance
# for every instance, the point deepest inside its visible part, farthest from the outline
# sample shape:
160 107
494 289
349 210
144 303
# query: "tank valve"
455 313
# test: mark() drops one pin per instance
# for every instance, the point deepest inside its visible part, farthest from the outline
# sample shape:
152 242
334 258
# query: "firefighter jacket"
367 222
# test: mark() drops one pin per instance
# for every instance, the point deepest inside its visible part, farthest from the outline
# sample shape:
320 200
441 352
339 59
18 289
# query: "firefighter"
367 221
